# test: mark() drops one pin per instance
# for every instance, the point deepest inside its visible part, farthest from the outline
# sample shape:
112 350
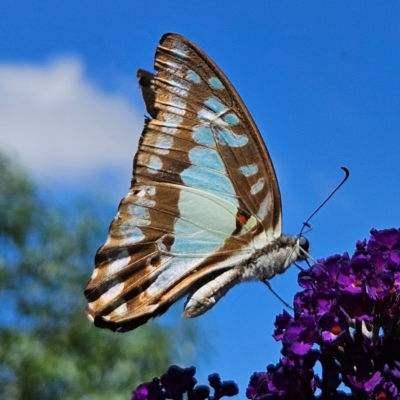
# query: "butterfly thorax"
272 259
275 258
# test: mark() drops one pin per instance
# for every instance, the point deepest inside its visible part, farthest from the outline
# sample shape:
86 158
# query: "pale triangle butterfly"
204 210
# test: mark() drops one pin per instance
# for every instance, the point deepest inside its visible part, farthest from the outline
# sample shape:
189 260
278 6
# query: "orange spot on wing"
242 219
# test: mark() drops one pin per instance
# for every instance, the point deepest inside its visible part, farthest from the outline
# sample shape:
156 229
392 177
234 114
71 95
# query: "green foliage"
48 349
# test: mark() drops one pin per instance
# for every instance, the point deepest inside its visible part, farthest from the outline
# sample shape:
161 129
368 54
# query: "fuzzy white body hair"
275 258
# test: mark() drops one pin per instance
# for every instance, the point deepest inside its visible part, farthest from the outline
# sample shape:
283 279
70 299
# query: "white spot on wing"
109 295
135 220
138 211
121 310
145 202
90 317
131 234
171 120
206 115
180 49
118 264
170 124
181 90
164 143
155 164
264 207
176 104
257 186
95 273
170 272
147 189
261 240
174 66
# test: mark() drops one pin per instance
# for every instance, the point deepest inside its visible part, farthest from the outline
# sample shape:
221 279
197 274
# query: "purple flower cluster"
177 382
347 318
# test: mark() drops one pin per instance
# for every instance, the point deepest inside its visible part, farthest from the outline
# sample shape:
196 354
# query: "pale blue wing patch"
131 233
207 158
192 239
205 222
227 137
215 83
135 217
217 121
258 186
170 272
202 214
210 181
138 212
249 170
203 135
231 119
215 105
193 76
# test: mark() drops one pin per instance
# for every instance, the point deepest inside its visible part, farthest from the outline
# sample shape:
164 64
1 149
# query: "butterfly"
203 212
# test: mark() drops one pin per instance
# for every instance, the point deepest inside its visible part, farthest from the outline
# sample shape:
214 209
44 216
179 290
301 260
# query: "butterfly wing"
203 192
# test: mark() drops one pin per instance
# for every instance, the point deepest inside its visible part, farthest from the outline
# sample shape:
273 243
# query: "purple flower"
258 385
347 318
149 391
281 323
177 382
332 327
221 389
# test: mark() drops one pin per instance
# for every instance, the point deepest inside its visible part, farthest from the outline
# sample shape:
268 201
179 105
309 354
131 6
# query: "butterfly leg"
277 295
208 295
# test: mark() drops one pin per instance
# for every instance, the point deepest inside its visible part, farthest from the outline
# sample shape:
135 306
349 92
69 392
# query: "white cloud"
61 126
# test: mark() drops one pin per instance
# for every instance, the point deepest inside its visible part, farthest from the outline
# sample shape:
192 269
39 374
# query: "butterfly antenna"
347 174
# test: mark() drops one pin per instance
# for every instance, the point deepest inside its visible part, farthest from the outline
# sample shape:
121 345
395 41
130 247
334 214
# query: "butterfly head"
303 248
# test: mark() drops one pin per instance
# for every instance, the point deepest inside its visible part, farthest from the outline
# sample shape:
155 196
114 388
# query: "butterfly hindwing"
203 192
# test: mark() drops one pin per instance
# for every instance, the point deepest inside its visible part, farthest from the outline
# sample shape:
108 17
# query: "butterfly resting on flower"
204 210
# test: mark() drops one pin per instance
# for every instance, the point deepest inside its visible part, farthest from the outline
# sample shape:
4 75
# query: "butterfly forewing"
203 189
216 118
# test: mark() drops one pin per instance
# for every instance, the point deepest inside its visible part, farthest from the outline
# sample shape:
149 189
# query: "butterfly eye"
304 243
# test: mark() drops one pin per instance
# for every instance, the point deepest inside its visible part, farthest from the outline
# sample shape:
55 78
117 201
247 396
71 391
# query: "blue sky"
321 80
